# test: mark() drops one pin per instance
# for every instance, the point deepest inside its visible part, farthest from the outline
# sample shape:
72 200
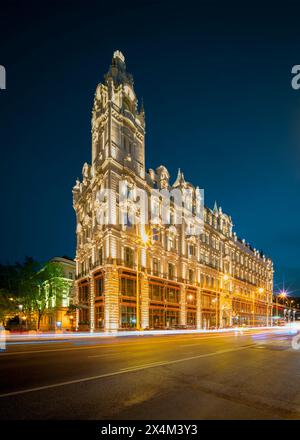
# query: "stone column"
76 299
111 303
221 306
144 301
182 313
92 303
199 310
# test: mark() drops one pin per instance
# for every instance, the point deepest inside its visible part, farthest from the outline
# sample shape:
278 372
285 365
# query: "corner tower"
118 125
118 154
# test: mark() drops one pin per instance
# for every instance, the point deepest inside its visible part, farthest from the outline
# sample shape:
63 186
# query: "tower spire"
117 70
215 208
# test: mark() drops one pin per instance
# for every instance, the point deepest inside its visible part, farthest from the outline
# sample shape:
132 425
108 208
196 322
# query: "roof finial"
142 110
215 207
179 180
118 54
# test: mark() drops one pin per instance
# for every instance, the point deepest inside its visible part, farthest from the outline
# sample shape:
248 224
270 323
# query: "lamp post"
282 294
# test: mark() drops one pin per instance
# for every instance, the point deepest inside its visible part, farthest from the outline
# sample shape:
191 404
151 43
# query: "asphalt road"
249 375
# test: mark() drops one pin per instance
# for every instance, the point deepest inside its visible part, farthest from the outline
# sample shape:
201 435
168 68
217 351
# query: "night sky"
216 82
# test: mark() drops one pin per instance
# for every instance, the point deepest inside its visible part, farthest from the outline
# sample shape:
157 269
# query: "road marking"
143 365
116 373
101 355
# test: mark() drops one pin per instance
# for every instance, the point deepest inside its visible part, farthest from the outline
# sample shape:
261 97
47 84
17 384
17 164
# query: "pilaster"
182 304
198 310
76 295
144 301
92 303
111 303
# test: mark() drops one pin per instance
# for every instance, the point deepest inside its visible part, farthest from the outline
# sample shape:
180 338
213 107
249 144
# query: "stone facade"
209 280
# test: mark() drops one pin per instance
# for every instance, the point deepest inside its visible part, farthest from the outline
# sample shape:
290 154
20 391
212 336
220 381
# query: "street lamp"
281 295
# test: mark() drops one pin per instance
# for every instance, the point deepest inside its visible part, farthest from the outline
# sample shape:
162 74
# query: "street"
249 374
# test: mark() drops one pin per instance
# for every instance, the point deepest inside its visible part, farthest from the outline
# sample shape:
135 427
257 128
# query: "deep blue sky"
215 78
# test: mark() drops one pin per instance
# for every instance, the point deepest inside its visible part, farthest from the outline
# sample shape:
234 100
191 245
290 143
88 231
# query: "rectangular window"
172 295
99 286
128 316
192 250
191 318
156 292
191 276
128 287
128 257
156 266
171 271
84 293
99 317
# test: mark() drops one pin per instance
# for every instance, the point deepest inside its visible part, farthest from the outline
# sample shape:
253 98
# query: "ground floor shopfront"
107 300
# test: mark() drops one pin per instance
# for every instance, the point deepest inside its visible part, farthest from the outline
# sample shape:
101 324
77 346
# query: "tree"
44 290
32 288
10 276
28 290
8 307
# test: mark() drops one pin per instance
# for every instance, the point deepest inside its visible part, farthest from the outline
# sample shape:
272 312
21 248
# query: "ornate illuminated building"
174 280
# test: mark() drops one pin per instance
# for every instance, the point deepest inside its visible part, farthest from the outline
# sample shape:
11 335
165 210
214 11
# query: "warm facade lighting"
154 276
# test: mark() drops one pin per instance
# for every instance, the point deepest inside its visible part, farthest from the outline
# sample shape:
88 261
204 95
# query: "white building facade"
174 279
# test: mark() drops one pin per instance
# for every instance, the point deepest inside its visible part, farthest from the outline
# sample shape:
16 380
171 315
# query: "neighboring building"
211 280
57 316
285 309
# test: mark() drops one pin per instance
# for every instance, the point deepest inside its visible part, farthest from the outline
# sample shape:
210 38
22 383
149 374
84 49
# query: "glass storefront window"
128 316
99 317
191 318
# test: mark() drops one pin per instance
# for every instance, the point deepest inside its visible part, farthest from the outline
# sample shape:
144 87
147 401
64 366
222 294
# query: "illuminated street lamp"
281 295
